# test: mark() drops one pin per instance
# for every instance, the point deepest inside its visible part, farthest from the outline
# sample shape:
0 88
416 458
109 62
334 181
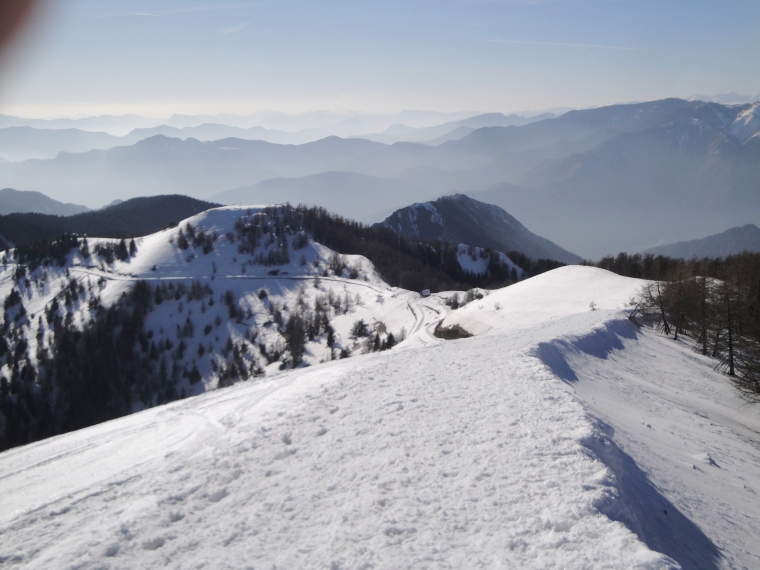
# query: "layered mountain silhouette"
698 169
732 241
131 218
160 164
357 196
453 130
460 219
17 201
599 181
26 143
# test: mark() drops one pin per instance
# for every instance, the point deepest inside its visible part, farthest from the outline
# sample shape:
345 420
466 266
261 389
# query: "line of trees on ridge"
713 302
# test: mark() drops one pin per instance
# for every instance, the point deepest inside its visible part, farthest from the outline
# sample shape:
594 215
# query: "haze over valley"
597 181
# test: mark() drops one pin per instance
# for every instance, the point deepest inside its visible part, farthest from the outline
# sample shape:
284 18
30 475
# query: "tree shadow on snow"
656 521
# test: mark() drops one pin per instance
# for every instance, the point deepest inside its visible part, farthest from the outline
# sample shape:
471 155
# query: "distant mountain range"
732 241
650 173
360 197
136 217
730 98
160 164
15 201
120 125
25 142
599 181
459 219
453 130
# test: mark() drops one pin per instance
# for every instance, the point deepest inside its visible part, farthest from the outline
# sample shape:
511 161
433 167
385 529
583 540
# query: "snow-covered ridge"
229 295
546 297
746 126
437 456
562 436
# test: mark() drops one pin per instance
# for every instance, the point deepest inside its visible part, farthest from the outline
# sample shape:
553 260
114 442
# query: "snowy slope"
686 436
460 455
475 260
292 285
550 295
562 438
746 125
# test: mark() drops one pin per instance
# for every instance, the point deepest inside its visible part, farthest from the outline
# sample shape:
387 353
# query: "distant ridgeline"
714 302
132 218
83 341
410 264
403 262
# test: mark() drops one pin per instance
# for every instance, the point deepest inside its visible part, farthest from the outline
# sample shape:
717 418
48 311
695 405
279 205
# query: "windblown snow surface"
557 437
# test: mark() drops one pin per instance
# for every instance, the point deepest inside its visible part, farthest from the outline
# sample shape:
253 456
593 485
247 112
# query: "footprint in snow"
154 543
217 496
112 550
285 454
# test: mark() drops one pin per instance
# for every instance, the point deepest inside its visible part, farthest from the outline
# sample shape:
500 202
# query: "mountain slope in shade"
460 219
732 241
135 217
699 168
19 201
601 123
161 165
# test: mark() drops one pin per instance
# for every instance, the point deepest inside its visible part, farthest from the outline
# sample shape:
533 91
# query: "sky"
159 57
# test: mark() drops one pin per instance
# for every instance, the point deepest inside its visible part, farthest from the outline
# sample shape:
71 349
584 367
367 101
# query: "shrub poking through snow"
359 329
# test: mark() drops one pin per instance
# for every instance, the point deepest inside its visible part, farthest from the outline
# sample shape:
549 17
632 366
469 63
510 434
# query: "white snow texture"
557 437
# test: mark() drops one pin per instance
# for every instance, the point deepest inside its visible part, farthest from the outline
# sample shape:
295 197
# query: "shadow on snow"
642 508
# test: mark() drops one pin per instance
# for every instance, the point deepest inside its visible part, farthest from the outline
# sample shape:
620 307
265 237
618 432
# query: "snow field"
465 454
685 427
562 437
565 291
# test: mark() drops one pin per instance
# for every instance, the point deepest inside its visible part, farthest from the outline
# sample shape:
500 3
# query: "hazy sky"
159 57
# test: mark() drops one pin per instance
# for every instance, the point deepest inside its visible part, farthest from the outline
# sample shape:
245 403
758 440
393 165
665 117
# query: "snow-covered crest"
439 454
746 126
378 461
221 289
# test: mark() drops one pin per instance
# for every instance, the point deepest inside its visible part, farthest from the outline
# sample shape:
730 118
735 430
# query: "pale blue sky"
166 56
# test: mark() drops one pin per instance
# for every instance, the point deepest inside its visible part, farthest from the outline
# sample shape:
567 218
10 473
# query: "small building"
425 293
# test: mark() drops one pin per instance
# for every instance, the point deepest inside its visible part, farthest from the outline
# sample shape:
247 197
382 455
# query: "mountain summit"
460 219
